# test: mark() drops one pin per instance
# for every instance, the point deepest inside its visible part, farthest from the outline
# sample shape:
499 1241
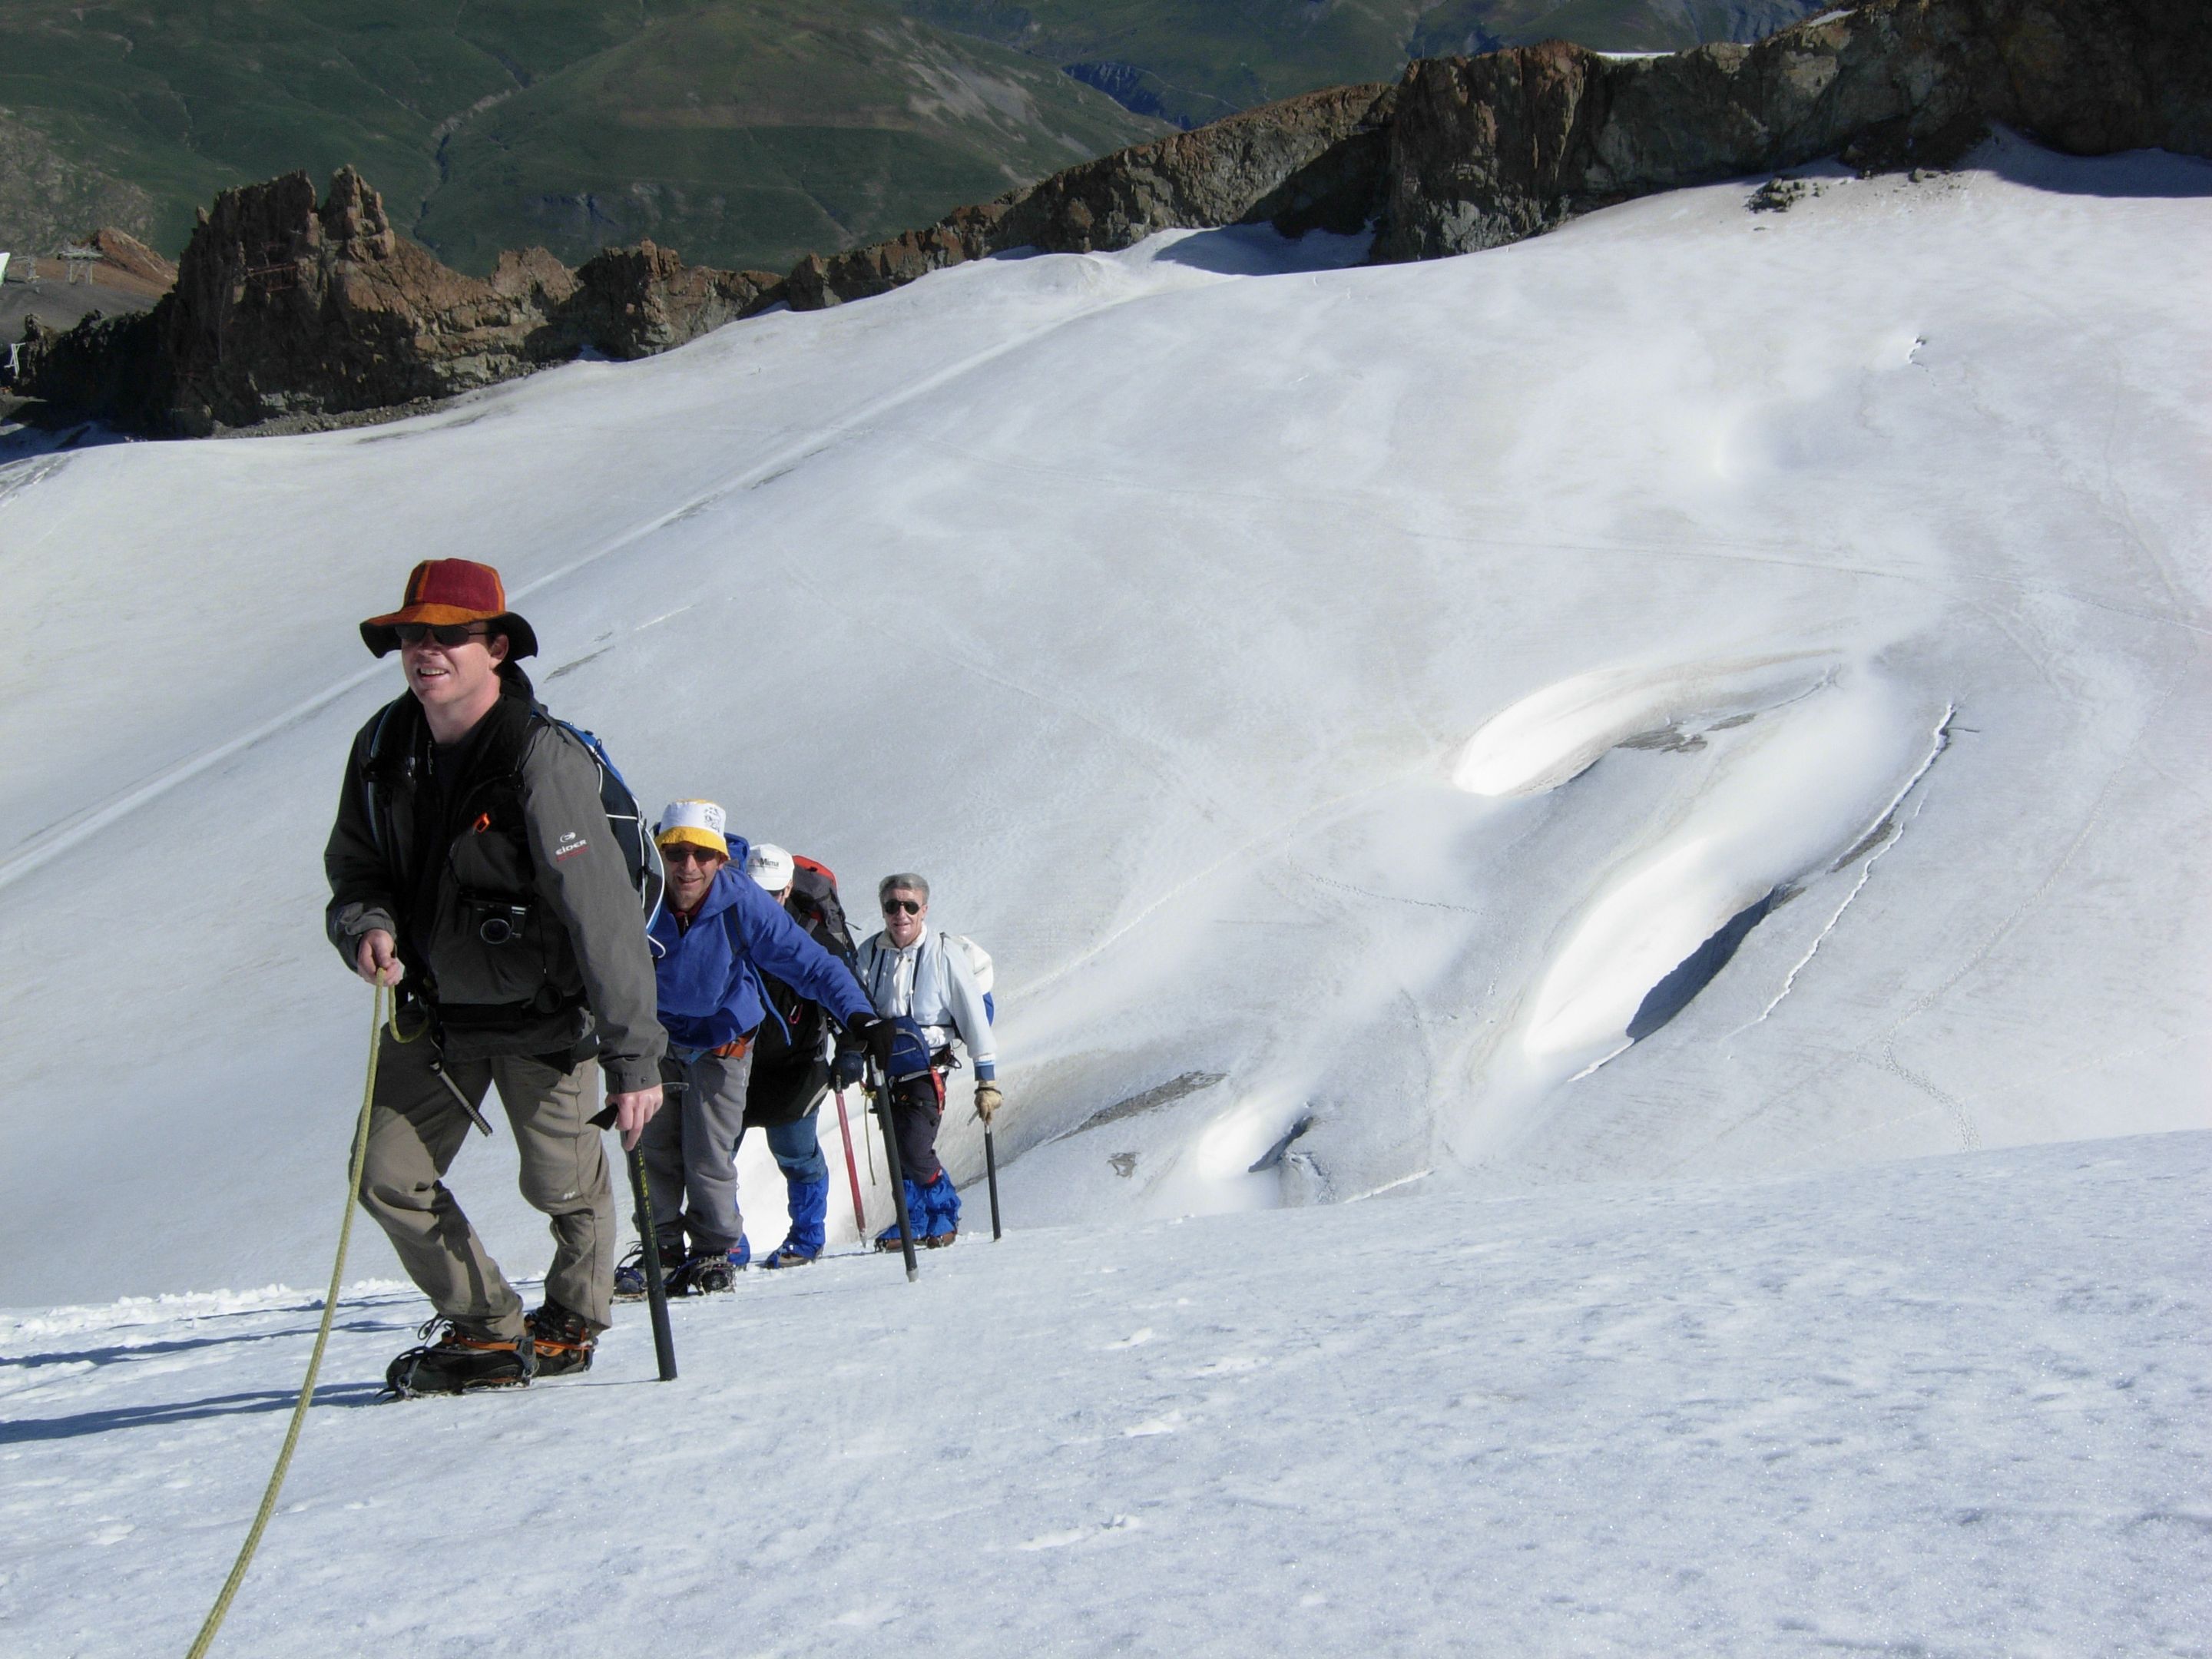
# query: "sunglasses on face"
892 907
452 635
684 852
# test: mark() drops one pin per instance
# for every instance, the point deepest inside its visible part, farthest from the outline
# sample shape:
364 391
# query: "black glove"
873 1034
845 1069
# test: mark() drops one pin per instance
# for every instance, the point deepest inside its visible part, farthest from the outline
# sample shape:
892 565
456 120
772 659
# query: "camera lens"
496 930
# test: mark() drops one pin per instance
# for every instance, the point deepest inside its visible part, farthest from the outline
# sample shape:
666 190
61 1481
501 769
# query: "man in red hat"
472 867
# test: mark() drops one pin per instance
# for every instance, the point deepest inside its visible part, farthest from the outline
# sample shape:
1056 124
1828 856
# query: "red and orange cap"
440 590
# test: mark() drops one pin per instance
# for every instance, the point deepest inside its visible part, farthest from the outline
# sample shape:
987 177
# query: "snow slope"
1342 699
1954 1405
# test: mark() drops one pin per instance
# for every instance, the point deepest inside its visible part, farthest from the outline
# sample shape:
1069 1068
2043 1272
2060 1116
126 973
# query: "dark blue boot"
917 1218
810 1216
941 1204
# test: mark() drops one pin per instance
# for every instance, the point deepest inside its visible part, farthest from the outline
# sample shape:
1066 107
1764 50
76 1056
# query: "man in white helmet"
791 1054
717 934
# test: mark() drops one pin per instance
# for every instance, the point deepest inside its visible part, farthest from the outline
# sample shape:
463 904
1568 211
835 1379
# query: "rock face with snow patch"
1313 162
1487 150
284 307
1469 153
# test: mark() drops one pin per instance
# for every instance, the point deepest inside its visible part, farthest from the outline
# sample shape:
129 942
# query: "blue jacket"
709 973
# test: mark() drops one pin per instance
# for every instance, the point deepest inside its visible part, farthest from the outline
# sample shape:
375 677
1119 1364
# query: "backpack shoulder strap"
391 747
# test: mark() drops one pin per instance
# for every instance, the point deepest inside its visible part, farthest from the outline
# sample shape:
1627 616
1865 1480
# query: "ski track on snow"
44 849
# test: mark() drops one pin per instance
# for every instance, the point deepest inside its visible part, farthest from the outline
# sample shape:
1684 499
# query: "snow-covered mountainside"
1952 1406
1353 704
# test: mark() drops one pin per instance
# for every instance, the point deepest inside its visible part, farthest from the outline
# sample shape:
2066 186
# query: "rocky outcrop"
127 263
1469 153
283 306
633 301
1489 149
1316 161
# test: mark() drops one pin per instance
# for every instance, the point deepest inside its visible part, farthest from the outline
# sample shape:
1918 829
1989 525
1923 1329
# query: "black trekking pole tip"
896 1170
991 1169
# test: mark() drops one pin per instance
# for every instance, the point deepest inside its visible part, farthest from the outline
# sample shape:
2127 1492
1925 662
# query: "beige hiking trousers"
415 1129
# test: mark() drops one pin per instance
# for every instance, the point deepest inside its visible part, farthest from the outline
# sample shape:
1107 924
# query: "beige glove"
987 1101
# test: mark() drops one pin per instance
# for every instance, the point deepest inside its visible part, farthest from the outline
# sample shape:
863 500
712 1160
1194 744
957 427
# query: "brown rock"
281 305
285 307
1487 150
126 262
633 301
1315 161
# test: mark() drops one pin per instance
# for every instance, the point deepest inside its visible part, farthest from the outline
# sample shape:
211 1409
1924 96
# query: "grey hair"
906 879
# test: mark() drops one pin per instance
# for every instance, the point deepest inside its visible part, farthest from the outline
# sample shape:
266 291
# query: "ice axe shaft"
852 1169
476 1116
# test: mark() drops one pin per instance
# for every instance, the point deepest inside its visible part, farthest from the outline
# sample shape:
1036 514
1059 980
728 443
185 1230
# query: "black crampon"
459 1362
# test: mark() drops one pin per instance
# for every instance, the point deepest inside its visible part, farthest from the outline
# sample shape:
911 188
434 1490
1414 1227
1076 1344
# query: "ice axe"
852 1169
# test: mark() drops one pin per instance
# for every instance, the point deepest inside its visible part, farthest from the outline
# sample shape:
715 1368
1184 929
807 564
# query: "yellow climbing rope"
314 1362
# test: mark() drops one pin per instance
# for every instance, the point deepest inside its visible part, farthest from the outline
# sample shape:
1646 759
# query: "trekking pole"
656 1287
882 1093
852 1169
991 1173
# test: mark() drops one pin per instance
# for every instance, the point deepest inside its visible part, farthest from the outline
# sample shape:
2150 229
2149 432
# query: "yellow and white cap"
693 823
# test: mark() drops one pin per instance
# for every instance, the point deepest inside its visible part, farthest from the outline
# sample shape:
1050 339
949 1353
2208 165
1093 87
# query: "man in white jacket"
911 971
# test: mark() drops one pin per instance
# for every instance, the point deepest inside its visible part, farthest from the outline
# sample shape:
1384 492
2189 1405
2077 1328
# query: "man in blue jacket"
717 932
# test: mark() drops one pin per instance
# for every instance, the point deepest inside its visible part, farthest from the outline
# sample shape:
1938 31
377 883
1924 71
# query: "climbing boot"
459 1362
705 1272
561 1341
630 1284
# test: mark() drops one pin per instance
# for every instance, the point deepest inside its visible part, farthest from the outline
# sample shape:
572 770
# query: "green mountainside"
740 132
756 134
1193 61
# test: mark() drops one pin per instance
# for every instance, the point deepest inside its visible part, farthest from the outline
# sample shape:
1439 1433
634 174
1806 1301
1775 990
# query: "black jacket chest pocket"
493 944
487 858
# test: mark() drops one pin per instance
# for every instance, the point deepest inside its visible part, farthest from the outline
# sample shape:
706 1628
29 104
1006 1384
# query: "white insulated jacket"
931 982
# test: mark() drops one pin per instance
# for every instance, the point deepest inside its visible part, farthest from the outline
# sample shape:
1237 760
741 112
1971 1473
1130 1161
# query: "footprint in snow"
1169 1425
1060 1541
1231 1364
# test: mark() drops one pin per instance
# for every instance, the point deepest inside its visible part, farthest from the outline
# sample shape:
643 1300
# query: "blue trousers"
798 1150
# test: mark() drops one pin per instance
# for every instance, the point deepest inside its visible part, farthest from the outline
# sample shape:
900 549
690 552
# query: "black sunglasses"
452 635
910 906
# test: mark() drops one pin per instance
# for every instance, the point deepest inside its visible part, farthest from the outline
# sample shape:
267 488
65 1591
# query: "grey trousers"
690 1155
416 1128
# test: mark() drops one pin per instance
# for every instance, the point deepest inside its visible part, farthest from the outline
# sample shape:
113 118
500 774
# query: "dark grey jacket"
503 884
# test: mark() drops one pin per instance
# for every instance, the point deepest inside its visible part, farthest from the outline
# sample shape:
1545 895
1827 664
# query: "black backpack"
817 908
626 820
797 1026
